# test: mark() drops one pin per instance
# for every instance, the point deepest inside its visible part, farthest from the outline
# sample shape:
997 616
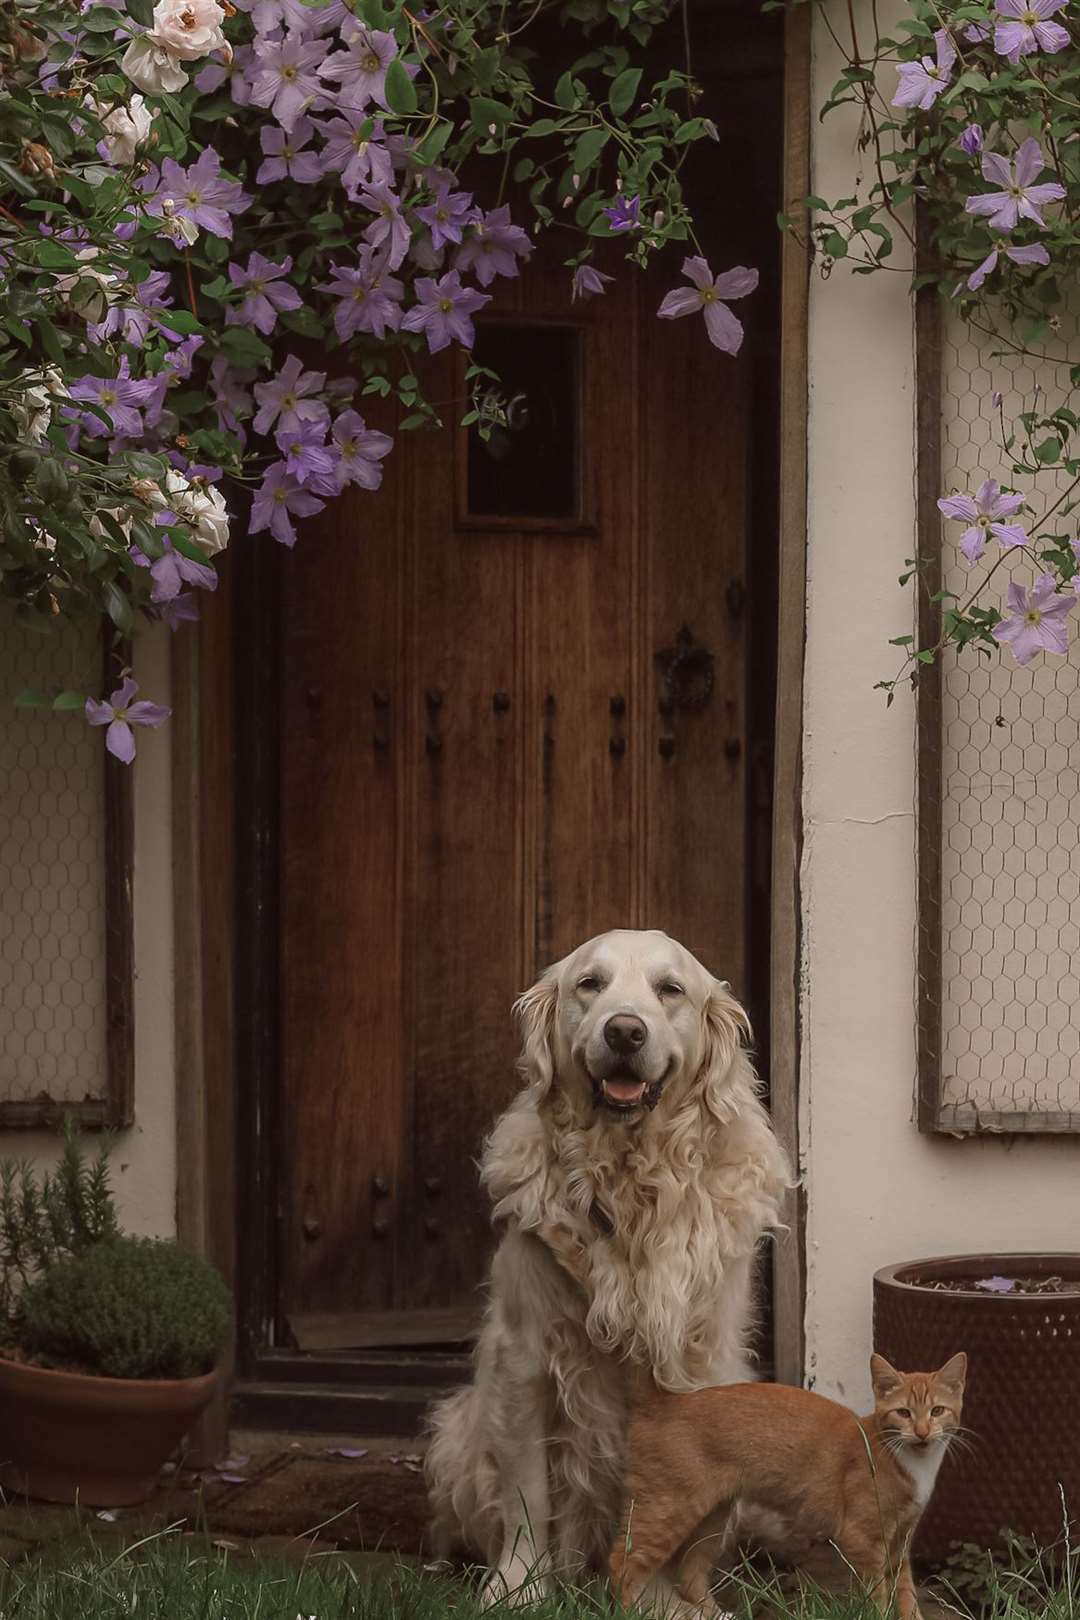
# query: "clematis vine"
985 513
923 81
1036 619
199 197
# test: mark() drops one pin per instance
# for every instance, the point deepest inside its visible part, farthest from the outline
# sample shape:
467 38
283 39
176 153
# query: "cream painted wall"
877 1190
144 1158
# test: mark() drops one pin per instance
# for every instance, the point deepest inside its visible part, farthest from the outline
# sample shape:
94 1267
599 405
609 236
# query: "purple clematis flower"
625 215
923 81
1034 253
231 399
358 157
370 299
984 513
588 281
361 69
132 322
286 157
971 140
1019 198
285 76
707 293
447 216
444 311
280 498
1037 619
198 194
286 398
391 227
120 714
233 73
172 570
265 295
361 449
180 361
996 1285
183 609
492 246
1025 27
119 397
308 457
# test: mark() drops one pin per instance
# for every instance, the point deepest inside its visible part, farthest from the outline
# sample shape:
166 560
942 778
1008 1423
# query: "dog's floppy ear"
727 1029
535 1013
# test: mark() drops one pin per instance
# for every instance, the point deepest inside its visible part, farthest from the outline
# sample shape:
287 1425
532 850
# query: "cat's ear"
885 1377
953 1373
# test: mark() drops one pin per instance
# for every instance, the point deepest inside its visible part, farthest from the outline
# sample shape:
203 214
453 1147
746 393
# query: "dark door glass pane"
528 466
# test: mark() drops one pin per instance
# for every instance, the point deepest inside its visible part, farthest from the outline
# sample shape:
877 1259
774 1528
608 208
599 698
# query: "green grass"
172 1578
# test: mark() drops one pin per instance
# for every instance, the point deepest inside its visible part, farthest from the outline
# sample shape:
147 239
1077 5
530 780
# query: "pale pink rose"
189 29
152 67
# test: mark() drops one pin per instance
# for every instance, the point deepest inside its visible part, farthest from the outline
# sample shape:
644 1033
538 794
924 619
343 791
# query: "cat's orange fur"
829 1493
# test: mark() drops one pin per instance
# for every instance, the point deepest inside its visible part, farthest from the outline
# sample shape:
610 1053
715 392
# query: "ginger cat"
835 1495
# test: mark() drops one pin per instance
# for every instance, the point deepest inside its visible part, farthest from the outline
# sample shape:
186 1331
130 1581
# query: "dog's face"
624 1018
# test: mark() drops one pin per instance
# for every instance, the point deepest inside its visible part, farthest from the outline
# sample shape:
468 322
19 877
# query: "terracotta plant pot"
65 1437
1023 1375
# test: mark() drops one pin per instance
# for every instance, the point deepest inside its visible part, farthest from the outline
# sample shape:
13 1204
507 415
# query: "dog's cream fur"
524 1465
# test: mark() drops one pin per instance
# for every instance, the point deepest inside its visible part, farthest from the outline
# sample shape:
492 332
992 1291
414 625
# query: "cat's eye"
902 1411
938 1411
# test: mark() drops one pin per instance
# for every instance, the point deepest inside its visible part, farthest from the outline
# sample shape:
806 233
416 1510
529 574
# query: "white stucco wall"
144 1158
878 1191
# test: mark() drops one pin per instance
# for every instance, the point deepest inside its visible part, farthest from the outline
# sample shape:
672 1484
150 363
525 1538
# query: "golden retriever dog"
632 1179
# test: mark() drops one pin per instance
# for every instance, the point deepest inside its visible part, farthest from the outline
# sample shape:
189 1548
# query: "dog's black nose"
625 1034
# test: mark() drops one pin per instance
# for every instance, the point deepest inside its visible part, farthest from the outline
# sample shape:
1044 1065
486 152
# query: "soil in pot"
67 1437
1023 1344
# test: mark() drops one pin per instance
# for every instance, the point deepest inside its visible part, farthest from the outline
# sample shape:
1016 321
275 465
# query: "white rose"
203 507
190 29
128 128
152 67
120 515
33 412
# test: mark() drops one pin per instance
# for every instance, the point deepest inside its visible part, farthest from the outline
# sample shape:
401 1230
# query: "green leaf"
182 321
417 419
566 94
305 321
542 126
483 113
399 90
692 130
834 245
242 345
118 607
433 142
55 256
141 11
29 699
587 149
101 20
623 91
67 701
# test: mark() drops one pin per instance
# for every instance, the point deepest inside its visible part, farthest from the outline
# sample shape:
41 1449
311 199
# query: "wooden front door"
514 714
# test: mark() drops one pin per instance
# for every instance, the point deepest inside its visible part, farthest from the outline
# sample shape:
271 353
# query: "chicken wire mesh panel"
1009 1028
53 971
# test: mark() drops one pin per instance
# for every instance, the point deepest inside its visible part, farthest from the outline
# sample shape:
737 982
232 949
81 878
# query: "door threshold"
364 1392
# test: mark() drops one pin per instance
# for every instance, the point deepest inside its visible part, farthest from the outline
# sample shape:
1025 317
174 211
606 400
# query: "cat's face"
919 1409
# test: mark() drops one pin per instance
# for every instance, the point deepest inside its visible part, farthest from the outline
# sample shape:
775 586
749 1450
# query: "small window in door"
527 469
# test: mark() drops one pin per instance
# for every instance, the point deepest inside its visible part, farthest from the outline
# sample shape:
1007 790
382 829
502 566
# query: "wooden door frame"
225 913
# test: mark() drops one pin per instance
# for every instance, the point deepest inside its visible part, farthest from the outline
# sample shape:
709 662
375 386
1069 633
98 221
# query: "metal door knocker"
687 673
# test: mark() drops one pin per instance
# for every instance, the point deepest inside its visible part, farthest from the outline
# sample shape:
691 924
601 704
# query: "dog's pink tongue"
624 1090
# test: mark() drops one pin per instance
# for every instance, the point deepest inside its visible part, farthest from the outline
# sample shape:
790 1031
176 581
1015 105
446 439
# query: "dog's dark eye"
590 982
670 988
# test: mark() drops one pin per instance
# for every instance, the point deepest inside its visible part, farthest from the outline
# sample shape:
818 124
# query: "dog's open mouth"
622 1092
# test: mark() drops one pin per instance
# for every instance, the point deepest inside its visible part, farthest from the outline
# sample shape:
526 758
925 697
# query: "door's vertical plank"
341 1041
581 629
693 475
464 854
